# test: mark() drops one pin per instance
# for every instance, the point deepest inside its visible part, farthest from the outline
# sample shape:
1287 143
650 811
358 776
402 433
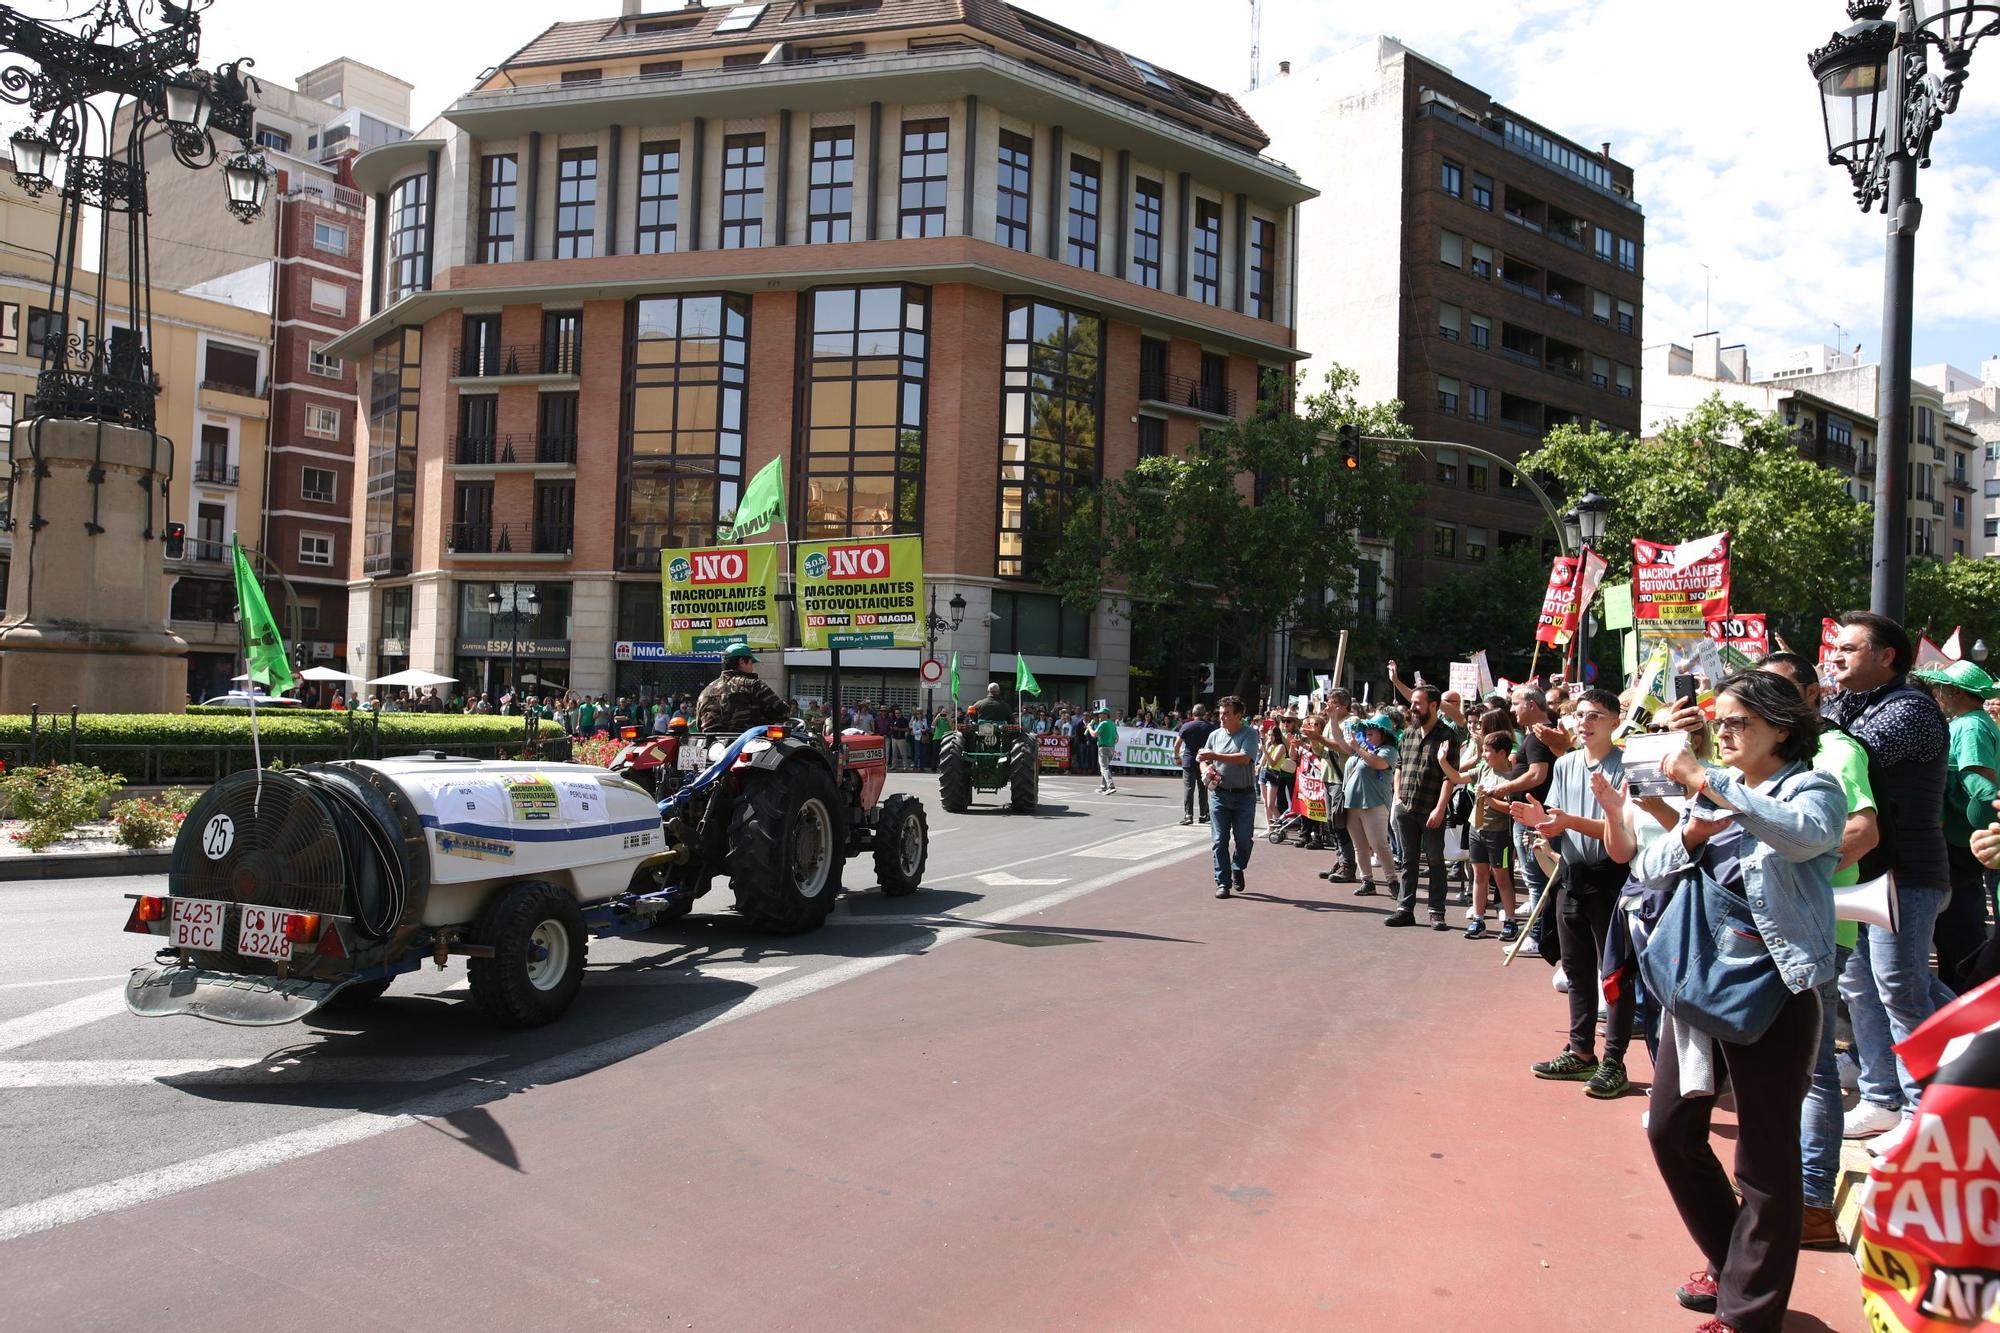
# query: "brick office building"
951 261
1473 263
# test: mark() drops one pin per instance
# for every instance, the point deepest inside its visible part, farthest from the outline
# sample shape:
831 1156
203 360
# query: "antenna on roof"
1256 43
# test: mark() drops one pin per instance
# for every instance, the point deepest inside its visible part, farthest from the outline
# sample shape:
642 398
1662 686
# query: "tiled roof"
614 38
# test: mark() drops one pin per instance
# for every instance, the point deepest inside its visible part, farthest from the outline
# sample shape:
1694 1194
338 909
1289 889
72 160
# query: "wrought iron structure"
139 58
1882 105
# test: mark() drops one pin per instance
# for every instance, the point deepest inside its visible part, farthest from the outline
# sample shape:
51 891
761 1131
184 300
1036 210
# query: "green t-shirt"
1107 735
1842 757
1975 743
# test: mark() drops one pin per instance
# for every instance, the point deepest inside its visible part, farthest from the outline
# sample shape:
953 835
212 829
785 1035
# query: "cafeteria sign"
716 595
861 594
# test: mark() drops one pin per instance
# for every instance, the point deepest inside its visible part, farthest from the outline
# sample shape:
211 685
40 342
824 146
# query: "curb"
84 865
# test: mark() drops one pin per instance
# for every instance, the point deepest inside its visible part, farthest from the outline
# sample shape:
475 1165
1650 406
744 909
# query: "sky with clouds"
1711 105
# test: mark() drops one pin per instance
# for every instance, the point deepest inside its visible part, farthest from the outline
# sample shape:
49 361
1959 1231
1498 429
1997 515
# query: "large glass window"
576 203
830 200
683 455
1085 192
1052 389
498 185
742 191
1205 274
926 164
1146 208
1038 624
409 210
1263 268
861 440
395 374
659 197
1017 165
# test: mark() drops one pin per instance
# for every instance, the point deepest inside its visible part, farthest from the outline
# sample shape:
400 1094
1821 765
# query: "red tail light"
145 911
301 927
628 733
774 734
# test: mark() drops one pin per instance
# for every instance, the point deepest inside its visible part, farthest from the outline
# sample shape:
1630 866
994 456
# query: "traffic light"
176 540
1350 445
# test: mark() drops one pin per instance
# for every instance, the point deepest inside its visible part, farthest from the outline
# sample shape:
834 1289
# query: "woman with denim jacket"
1767 829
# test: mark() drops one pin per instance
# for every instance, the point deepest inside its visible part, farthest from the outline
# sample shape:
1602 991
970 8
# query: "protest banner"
1309 788
1465 679
1747 633
715 595
1558 618
1145 747
1677 589
1485 670
1829 634
1054 750
861 594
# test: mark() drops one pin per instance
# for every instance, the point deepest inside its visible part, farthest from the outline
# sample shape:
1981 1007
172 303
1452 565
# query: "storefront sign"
718 594
513 647
651 650
1055 750
1678 589
861 594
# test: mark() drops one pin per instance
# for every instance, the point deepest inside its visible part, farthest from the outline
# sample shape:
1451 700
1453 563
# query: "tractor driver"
990 709
737 700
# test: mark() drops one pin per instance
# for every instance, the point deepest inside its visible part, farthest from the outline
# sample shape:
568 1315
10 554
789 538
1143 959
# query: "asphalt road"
96 1099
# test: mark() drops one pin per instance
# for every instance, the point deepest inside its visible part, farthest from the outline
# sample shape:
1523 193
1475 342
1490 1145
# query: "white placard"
469 801
217 837
1646 757
582 800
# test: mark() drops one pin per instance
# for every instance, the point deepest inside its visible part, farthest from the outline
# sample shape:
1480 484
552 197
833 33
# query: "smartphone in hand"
1684 689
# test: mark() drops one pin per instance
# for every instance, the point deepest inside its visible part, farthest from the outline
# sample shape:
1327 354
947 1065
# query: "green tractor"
989 756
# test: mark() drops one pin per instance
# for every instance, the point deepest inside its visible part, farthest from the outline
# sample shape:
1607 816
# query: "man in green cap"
1972 781
737 699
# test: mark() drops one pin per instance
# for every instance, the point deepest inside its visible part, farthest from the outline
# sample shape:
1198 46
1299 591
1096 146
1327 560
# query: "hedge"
232 727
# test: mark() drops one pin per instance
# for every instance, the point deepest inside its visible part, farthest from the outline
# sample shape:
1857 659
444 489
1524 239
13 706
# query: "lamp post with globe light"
1881 105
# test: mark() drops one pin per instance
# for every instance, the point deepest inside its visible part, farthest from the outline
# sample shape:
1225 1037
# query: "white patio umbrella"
325 673
414 677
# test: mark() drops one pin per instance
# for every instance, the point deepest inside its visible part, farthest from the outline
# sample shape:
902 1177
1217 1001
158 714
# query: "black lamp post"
1882 105
1591 513
151 77
512 601
934 625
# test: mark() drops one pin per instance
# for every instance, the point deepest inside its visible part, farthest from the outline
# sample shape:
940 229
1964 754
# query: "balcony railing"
215 473
1518 427
486 361
1186 391
1564 238
507 539
1515 285
231 386
207 552
513 449
1525 358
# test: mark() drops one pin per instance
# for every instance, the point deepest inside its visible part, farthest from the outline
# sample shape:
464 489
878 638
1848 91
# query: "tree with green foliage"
1492 607
1798 542
1257 527
1941 595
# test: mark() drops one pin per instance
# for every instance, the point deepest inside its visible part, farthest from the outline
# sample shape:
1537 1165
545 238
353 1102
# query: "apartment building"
1972 411
952 261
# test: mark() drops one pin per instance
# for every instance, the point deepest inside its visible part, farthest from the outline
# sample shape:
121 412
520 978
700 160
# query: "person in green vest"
1107 746
586 717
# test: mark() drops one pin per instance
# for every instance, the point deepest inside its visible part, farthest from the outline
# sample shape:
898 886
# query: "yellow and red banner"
716 595
863 592
1679 588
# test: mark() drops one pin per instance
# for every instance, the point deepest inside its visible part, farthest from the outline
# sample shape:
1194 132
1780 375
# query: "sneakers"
1560 980
1569 1067
1715 1326
1439 923
1367 889
1222 890
1883 1144
1477 930
1697 1293
1819 1229
1239 881
1187 819
1509 932
1400 919
1867 1120
1609 1081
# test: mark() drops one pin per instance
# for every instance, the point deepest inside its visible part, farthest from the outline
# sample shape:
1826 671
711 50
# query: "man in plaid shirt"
1423 795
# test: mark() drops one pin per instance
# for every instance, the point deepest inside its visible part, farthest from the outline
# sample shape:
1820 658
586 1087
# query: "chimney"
633 7
1284 69
1605 148
1708 356
1735 362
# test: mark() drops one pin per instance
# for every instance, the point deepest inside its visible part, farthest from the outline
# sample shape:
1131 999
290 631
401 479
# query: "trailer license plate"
198 924
260 933
693 757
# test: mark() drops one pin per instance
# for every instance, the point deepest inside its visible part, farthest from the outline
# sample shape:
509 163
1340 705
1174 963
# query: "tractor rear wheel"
902 845
1024 777
786 847
954 775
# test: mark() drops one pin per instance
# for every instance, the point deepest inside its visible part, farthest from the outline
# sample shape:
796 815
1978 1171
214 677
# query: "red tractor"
779 811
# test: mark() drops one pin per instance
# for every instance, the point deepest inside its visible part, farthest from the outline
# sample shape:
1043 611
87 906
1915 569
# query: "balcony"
231 386
1519 427
521 452
540 542
1184 393
207 553
521 362
214 472
1524 358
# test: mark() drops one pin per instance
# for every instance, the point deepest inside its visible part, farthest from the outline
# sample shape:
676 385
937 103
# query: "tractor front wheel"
954 775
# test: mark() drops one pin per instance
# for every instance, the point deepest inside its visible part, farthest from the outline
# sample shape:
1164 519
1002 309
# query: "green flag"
954 676
762 505
263 649
1024 679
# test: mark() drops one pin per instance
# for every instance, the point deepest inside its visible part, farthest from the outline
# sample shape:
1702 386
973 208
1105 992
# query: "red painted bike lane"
1144 1109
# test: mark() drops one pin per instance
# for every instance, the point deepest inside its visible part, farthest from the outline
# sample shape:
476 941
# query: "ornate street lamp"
1979 650
247 178
1585 524
1592 512
1881 106
33 156
1572 529
934 625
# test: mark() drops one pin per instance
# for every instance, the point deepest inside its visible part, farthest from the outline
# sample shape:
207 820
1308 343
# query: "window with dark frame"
555 428
682 453
1451 178
409 266
562 342
742 191
317 484
659 197
1014 186
472 522
1263 268
864 355
830 190
925 176
583 76
1205 273
1147 208
499 174
1086 189
576 203
660 69
1038 624
1152 437
555 515
394 393
1052 388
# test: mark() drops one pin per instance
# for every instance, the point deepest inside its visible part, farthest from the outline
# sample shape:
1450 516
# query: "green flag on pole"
263 648
954 676
762 505
1024 679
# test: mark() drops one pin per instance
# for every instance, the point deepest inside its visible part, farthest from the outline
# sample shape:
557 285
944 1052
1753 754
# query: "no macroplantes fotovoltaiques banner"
861 594
716 595
1677 589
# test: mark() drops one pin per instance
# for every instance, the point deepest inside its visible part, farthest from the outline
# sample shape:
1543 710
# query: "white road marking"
145 1186
60 1018
1002 880
1137 846
196 1072
1030 860
63 981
